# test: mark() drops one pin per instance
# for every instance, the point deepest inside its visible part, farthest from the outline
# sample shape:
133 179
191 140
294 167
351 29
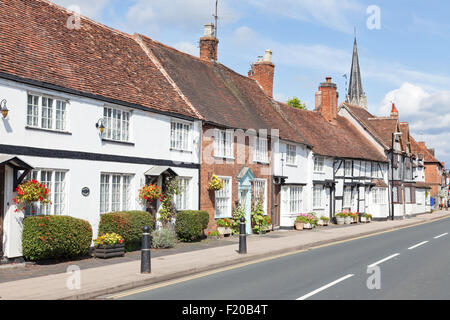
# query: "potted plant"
354 216
215 184
309 220
299 222
109 245
224 226
267 223
366 218
214 235
31 193
340 218
150 193
324 221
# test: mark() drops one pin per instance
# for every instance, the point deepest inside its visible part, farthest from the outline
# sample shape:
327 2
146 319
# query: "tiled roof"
381 128
222 96
37 46
341 139
420 148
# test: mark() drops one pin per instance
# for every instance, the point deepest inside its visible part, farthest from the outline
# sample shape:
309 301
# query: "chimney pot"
209 44
263 72
268 56
209 30
328 79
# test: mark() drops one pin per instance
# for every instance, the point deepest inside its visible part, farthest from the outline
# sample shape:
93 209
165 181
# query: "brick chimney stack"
209 44
327 100
263 71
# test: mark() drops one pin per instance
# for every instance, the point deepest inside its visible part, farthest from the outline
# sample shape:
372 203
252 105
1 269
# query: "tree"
296 103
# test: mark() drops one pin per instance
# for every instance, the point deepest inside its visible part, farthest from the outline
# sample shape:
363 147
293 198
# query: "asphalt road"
414 263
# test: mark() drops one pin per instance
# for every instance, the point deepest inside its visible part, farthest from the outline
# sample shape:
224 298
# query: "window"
407 195
318 197
223 143
318 164
182 199
114 192
379 196
348 168
395 198
117 124
260 150
55 180
260 191
180 135
46 113
292 199
291 154
223 200
347 197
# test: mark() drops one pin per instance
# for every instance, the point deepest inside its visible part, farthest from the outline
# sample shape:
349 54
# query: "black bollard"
146 266
242 238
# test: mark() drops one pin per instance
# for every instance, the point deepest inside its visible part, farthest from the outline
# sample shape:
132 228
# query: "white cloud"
334 14
187 47
428 115
88 8
156 15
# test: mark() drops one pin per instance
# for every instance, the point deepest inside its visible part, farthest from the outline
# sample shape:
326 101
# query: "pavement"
96 281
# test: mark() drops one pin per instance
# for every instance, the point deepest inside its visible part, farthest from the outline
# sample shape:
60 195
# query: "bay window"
292 199
379 196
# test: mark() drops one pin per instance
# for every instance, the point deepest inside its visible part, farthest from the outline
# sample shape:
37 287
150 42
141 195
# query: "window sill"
319 172
118 142
292 165
48 130
261 162
223 158
181 151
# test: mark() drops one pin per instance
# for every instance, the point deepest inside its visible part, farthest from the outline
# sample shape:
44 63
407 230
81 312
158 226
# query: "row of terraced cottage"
167 113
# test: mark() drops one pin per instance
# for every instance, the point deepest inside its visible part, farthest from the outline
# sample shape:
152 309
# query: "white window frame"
261 149
116 128
182 200
320 190
224 143
347 200
225 195
379 196
37 112
291 155
348 168
319 164
180 136
258 184
50 209
125 196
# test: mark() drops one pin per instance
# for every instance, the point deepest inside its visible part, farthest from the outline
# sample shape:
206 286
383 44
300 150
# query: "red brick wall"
433 176
329 100
264 72
229 168
208 48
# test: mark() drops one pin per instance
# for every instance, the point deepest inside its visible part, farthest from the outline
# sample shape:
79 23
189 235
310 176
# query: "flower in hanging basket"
215 184
150 193
31 191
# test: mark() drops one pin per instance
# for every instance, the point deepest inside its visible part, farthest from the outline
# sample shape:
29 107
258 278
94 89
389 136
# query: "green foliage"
190 225
168 210
51 237
238 213
128 224
163 239
259 220
296 103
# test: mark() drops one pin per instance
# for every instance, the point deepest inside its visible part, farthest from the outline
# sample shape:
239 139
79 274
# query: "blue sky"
405 60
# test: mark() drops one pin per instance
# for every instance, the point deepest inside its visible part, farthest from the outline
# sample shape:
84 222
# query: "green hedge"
128 224
190 225
51 237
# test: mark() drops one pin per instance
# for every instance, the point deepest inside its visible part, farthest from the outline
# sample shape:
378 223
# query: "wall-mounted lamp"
100 126
4 109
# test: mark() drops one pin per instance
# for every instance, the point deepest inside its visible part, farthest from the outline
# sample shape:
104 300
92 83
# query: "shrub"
163 239
190 225
128 224
52 237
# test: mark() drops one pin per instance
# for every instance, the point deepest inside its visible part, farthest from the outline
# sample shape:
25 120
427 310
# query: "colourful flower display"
31 191
150 193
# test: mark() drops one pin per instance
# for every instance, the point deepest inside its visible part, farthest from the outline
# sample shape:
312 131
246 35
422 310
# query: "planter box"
104 252
214 237
348 220
225 231
308 226
340 221
299 226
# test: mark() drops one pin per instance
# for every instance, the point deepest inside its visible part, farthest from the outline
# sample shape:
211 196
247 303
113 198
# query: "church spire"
356 95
